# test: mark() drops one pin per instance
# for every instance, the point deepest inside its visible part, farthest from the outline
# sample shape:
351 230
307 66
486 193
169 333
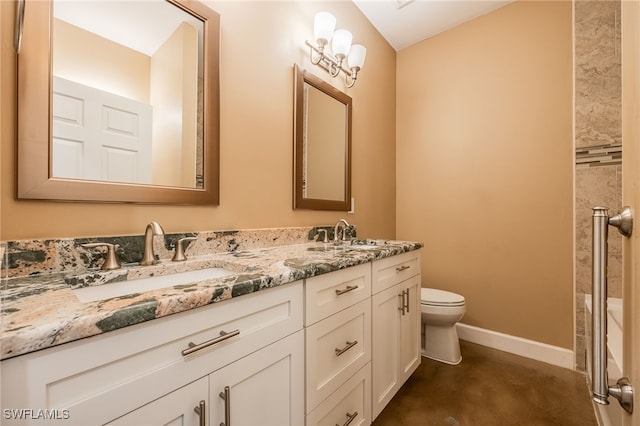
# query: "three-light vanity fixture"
324 31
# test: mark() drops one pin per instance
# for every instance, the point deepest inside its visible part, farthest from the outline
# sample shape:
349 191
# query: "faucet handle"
179 255
325 239
111 261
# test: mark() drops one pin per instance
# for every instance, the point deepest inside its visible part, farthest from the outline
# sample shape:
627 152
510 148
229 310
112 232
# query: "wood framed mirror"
132 90
322 145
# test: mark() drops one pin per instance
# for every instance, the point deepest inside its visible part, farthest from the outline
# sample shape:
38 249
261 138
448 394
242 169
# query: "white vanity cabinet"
139 375
396 325
338 347
333 349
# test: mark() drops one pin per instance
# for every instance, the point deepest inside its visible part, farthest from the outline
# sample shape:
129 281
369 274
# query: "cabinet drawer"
351 400
330 293
102 377
392 270
337 347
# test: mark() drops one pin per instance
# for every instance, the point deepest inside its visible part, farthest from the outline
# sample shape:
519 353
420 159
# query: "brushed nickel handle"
346 290
407 300
600 389
111 261
226 396
193 347
350 418
346 348
402 268
401 303
19 26
201 412
178 255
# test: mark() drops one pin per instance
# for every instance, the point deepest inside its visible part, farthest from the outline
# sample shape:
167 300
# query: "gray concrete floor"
490 388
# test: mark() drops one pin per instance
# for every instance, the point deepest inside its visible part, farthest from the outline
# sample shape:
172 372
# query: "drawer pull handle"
346 348
196 347
201 412
402 268
226 397
346 290
350 418
406 306
404 302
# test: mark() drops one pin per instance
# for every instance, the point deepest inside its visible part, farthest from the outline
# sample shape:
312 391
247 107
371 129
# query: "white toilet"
440 311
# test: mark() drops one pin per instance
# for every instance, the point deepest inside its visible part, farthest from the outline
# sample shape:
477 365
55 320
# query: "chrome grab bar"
622 391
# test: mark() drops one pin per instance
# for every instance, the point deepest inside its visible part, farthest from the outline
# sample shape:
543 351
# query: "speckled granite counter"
42 311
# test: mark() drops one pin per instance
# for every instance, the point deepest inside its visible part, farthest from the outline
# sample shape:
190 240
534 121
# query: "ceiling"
131 27
405 22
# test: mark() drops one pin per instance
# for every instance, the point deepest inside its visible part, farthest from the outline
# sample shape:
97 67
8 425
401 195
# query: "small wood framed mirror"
322 145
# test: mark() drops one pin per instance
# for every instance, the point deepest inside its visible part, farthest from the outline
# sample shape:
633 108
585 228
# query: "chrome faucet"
344 224
148 257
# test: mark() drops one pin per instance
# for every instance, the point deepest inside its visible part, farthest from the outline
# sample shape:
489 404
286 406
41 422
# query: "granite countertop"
42 311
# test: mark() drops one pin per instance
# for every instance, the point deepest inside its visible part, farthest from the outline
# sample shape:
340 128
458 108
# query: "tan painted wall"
91 60
174 81
260 42
485 164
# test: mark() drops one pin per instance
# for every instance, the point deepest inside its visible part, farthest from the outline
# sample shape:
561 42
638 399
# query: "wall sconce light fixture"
324 25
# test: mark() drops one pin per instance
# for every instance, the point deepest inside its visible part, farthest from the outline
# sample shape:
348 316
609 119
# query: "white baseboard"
553 355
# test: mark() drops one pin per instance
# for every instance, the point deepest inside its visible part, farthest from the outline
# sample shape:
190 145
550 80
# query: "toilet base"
446 361
441 343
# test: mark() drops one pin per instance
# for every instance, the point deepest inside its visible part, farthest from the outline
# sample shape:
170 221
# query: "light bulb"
323 25
341 43
356 56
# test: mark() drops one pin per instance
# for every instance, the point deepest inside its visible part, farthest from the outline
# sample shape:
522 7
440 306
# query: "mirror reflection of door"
127 100
324 148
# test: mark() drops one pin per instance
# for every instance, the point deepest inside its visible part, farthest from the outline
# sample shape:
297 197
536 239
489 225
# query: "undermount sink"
364 246
123 288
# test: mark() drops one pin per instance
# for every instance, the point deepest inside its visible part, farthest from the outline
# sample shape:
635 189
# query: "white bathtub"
608 415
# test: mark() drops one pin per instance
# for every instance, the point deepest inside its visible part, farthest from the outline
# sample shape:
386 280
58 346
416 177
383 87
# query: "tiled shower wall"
598 134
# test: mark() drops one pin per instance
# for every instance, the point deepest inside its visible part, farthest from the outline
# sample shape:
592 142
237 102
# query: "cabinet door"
174 409
263 388
410 356
385 344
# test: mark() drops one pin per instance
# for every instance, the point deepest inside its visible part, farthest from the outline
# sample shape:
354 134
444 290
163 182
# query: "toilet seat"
435 297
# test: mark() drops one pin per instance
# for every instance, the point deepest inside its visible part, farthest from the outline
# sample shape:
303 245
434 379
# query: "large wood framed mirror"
322 145
119 102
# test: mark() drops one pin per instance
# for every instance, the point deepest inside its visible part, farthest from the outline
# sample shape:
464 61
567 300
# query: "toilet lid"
435 297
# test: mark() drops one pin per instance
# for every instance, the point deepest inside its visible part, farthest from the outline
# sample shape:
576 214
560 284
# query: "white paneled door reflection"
100 136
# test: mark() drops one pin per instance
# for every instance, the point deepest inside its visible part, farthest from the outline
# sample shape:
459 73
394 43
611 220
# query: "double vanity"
306 333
